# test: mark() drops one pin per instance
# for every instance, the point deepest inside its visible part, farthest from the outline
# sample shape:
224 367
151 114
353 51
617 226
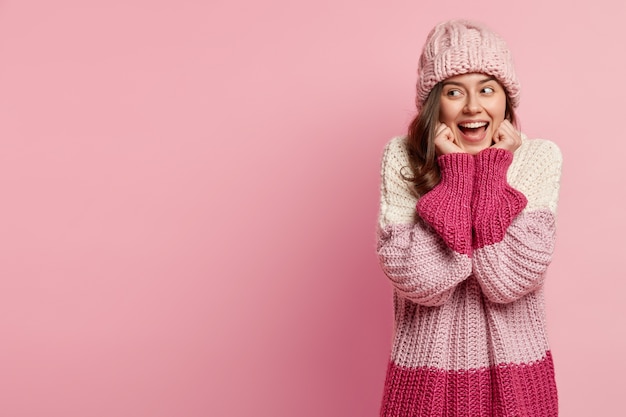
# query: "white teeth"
473 125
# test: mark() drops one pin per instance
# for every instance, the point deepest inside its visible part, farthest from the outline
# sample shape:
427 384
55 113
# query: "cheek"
447 114
498 111
503 108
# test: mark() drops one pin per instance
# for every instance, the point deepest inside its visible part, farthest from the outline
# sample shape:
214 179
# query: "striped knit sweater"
467 263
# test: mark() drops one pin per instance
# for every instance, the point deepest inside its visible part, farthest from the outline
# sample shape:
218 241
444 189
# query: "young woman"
466 233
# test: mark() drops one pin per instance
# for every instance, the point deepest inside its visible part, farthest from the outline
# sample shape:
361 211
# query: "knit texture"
470 335
446 207
494 202
460 47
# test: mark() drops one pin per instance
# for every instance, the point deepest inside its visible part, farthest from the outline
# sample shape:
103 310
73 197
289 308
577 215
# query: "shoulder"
395 160
536 152
397 203
395 153
536 172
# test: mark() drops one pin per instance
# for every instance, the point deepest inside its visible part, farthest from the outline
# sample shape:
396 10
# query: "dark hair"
420 142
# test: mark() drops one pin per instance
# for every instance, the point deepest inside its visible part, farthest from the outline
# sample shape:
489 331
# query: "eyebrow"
486 80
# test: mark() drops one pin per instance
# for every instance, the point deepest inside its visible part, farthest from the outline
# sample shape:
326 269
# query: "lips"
473 131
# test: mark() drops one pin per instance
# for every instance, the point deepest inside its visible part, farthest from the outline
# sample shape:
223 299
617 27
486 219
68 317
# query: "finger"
440 129
445 147
445 133
512 134
508 129
505 123
497 135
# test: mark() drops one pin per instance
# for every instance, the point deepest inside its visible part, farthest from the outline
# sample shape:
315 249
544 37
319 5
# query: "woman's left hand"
507 137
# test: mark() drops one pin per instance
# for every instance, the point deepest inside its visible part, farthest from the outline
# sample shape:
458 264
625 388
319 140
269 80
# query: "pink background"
189 193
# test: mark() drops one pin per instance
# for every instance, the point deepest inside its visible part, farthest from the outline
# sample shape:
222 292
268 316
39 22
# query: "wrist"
492 164
456 169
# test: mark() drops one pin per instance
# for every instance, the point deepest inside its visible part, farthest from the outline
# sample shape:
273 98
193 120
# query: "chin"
475 148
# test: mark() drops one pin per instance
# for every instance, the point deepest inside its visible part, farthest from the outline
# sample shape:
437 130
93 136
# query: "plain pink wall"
189 193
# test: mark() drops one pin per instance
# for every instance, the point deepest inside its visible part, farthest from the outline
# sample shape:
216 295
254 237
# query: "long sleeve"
422 265
514 228
446 208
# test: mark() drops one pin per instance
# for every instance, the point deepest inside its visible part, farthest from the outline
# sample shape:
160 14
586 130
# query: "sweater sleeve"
420 264
514 231
446 208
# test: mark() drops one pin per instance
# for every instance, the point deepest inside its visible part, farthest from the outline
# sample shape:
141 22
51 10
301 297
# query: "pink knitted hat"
460 47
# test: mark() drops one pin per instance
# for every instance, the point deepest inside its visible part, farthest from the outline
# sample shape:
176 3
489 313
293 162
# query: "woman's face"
472 106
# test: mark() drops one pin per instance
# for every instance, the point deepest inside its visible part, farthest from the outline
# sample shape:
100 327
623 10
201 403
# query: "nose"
472 104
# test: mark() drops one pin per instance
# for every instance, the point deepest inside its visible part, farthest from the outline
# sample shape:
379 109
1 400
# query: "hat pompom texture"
460 47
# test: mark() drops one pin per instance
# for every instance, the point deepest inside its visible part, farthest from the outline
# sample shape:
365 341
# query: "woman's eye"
488 90
453 93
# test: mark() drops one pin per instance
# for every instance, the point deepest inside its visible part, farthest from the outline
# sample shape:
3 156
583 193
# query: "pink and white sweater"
467 262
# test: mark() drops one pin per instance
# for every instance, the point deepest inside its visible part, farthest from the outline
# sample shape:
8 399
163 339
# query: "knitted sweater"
467 263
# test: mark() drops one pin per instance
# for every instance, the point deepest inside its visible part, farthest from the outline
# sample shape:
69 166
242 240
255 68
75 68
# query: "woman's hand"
506 137
444 141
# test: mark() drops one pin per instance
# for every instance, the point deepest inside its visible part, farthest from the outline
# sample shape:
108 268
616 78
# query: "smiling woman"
472 107
466 240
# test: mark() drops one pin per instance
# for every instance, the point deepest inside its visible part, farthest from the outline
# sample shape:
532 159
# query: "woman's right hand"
444 141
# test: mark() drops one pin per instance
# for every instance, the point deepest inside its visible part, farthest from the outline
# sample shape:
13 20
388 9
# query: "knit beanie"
460 47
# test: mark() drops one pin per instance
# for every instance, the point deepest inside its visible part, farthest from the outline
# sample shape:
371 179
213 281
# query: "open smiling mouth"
473 127
473 130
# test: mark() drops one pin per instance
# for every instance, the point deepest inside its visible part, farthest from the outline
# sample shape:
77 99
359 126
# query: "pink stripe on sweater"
419 264
469 332
526 390
515 266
